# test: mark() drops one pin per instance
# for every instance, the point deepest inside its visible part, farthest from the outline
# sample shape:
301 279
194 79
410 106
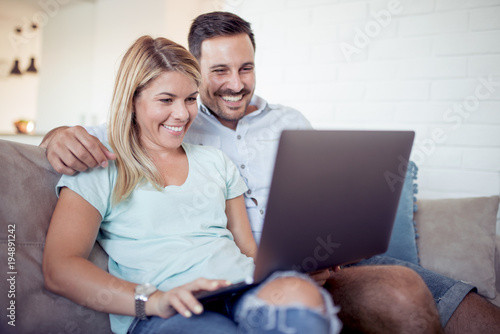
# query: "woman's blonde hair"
144 61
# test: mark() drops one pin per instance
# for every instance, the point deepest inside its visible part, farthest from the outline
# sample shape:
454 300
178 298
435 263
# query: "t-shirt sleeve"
235 186
95 186
100 131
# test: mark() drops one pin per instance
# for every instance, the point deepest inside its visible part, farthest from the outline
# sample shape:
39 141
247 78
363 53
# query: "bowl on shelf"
24 126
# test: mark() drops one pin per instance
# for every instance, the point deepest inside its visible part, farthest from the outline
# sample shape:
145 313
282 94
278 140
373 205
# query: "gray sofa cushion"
27 183
457 239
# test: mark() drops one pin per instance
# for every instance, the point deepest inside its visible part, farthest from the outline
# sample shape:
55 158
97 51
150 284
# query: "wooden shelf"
32 139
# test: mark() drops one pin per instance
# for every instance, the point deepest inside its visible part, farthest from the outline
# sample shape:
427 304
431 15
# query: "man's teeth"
173 128
232 98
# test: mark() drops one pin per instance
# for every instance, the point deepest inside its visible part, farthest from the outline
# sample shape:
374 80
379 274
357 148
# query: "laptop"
332 201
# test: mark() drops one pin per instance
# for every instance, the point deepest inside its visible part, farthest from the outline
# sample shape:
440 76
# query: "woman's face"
165 110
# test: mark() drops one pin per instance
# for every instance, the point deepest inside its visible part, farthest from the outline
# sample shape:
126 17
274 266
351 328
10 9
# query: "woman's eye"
166 100
191 99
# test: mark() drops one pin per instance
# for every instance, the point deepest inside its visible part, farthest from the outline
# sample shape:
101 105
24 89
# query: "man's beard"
220 110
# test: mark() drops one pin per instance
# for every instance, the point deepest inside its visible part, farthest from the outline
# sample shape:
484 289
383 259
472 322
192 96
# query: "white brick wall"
485 19
432 66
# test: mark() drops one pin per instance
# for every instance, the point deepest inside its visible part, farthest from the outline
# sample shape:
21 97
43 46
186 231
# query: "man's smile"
232 98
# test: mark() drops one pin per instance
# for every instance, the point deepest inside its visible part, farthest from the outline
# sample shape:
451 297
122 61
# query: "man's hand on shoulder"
73 149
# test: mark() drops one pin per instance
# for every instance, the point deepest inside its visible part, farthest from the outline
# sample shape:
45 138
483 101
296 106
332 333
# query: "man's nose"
235 84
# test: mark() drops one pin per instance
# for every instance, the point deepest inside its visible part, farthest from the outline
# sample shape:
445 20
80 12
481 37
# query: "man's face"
228 77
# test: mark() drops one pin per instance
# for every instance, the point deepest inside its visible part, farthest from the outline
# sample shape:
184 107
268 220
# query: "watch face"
145 289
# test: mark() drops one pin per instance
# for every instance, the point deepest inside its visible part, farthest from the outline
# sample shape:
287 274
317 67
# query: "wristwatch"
142 293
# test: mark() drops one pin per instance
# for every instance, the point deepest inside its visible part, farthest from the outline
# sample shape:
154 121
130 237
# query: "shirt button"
249 192
242 166
238 137
261 212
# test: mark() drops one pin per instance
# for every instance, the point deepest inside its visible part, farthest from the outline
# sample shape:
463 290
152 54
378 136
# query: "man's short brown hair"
216 24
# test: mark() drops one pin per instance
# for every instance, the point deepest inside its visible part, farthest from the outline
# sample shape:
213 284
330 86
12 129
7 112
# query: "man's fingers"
65 152
80 157
61 168
73 150
64 161
90 151
320 275
109 155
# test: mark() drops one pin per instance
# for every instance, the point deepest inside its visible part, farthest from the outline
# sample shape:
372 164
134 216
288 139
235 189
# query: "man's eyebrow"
251 63
218 65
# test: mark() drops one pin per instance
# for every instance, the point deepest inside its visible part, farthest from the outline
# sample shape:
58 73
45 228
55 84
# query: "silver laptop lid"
333 198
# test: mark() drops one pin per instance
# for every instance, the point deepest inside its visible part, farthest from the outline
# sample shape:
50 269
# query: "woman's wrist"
151 305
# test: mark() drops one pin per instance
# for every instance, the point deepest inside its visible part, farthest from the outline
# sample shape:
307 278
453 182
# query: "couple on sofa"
159 259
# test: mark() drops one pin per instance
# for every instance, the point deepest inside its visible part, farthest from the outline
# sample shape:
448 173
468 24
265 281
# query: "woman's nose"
181 112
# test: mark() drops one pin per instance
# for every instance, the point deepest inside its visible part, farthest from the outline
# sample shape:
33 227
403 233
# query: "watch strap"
140 309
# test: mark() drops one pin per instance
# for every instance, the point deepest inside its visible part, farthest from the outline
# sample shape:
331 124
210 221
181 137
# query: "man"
383 298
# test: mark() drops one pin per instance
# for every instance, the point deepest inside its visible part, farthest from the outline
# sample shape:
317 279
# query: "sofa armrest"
27 182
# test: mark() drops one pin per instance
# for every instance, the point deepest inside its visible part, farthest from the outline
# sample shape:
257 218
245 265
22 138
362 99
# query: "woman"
171 216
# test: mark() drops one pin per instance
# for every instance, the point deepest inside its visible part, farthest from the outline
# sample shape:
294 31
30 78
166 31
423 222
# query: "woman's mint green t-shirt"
169 237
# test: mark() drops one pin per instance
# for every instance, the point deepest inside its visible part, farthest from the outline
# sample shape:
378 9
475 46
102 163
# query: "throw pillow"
402 244
457 239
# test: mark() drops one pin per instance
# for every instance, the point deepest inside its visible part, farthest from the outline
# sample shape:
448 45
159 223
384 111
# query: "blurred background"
432 66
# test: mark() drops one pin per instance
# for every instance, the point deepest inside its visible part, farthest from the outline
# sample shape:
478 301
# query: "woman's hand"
321 276
181 299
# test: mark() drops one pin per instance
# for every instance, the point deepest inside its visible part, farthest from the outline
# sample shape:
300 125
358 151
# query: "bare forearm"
239 226
82 282
86 284
249 248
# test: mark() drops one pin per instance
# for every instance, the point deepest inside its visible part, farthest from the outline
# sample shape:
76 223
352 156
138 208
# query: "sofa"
456 237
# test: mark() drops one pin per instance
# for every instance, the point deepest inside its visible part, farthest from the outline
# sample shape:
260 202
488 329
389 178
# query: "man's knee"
412 302
290 290
393 297
402 290
407 287
370 283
